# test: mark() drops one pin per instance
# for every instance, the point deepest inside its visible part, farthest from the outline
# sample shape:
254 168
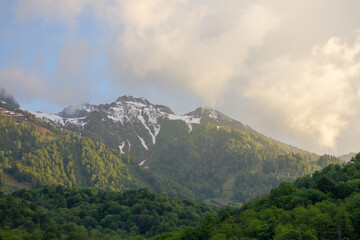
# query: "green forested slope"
75 161
210 155
39 156
323 206
85 213
37 153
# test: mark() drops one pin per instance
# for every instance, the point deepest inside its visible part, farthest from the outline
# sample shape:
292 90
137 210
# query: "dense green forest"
32 156
38 153
325 205
210 156
86 213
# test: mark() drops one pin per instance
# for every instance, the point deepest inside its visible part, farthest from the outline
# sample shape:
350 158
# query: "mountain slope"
129 124
215 157
323 206
34 153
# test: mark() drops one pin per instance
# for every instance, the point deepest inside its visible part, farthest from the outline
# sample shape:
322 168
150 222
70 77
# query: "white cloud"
197 46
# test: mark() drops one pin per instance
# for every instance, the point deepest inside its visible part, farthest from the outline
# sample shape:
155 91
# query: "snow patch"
60 120
213 114
142 142
136 104
142 162
157 128
117 114
189 120
190 128
87 108
121 147
142 120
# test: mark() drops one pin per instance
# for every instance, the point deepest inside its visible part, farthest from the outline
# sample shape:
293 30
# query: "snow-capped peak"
77 111
128 115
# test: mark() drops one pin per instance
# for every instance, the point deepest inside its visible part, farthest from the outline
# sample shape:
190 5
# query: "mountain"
216 158
34 153
130 124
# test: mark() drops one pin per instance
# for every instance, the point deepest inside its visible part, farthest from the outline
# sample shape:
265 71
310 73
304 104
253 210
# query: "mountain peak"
77 111
126 98
205 112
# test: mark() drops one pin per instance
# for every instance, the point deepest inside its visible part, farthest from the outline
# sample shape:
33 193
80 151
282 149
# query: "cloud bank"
294 64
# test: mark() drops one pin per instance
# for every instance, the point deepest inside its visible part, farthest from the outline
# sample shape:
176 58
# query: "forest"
39 154
59 212
256 162
325 205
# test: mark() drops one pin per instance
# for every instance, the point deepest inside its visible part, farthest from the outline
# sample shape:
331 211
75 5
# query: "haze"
289 69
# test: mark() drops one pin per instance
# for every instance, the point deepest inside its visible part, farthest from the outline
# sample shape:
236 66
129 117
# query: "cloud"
313 98
22 84
197 46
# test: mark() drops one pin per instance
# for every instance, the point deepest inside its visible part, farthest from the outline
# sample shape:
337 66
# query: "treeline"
323 206
204 159
84 213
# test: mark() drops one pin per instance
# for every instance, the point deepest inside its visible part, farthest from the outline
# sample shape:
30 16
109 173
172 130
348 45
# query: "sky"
288 69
